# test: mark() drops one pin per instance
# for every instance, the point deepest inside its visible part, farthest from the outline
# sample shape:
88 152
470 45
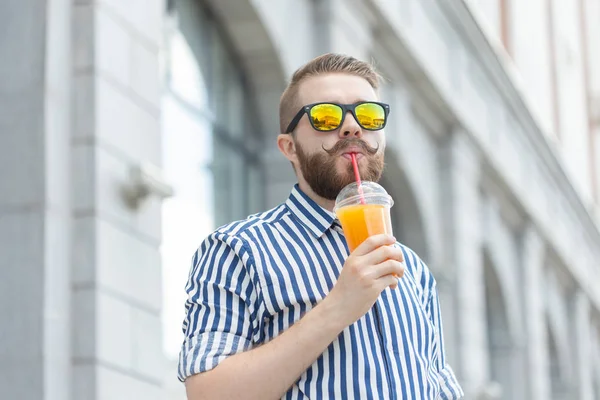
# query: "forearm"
268 371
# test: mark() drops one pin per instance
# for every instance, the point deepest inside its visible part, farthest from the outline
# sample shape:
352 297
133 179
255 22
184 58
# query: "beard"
320 171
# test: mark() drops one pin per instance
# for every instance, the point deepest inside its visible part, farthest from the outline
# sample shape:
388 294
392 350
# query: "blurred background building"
109 107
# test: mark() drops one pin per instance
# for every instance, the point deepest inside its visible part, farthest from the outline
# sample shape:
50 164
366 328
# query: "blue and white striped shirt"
252 279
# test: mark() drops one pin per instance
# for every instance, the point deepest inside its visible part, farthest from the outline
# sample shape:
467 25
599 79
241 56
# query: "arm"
267 372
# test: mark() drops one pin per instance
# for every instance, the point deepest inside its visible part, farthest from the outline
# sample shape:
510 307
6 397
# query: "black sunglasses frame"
345 109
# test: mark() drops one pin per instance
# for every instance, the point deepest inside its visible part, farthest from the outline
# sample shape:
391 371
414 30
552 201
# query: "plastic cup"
363 213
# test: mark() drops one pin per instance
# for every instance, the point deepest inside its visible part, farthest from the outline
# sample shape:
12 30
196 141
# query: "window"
210 144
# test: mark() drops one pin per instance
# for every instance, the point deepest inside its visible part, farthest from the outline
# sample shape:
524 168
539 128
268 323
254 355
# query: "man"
277 308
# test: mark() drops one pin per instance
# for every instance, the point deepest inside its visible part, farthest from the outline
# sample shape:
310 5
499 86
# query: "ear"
286 145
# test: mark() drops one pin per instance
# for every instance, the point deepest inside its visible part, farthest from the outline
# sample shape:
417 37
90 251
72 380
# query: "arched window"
210 147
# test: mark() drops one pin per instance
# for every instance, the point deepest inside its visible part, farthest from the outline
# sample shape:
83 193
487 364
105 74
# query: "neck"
325 203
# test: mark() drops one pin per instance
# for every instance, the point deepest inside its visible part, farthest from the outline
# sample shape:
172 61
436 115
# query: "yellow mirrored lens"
370 115
326 117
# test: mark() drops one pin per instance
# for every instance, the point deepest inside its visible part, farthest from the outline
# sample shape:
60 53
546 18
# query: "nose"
350 128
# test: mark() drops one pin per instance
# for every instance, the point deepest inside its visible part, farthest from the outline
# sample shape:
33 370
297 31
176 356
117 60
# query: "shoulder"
239 234
229 247
244 228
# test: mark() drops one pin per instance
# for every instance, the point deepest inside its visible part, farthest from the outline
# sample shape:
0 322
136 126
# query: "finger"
389 267
374 242
387 281
382 254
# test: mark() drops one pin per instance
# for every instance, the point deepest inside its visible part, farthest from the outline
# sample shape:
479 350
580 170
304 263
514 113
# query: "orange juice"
359 221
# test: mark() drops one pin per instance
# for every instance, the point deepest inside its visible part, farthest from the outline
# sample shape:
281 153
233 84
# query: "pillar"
461 204
537 339
584 356
116 282
34 200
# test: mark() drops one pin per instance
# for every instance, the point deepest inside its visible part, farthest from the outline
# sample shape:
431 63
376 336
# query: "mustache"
344 144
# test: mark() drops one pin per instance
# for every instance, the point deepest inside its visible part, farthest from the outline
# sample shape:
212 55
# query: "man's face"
323 158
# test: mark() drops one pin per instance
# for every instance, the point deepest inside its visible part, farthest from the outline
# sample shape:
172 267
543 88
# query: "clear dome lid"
372 192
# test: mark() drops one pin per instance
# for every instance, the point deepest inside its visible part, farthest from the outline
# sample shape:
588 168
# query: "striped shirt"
252 279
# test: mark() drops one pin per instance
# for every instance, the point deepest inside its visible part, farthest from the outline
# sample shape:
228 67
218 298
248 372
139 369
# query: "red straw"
357 176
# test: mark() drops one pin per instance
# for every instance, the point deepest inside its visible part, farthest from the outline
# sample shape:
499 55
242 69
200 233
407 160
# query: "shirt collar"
314 217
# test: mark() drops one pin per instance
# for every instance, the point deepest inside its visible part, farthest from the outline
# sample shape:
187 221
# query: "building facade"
129 130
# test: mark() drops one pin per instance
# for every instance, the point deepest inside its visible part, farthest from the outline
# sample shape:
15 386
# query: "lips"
347 153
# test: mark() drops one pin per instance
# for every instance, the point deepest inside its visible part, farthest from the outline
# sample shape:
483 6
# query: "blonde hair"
326 63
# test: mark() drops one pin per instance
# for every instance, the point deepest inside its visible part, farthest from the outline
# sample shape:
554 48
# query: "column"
461 203
116 289
582 340
34 200
535 319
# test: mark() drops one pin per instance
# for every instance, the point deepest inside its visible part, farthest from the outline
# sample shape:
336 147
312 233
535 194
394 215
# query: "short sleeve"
449 387
218 319
428 295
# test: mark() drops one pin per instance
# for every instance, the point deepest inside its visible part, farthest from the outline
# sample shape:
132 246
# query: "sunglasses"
326 117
